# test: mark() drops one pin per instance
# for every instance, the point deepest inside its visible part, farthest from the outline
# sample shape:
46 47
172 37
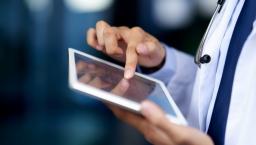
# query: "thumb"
152 112
157 117
147 48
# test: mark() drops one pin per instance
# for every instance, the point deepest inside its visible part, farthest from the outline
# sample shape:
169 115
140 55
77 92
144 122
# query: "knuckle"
123 28
137 29
100 23
108 32
154 40
137 33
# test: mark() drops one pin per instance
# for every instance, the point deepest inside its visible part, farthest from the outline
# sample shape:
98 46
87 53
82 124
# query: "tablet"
97 78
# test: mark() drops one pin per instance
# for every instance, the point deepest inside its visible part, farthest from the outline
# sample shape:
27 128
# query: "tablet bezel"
112 98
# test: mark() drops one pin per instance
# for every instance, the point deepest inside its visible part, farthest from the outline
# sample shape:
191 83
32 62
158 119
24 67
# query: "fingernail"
128 73
142 49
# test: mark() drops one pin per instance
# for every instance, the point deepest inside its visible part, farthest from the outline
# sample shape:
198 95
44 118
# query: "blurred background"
36 105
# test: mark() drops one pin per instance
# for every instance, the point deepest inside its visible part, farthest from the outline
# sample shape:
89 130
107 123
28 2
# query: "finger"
111 41
146 48
100 27
92 39
124 33
156 136
130 118
157 117
121 87
131 61
134 38
151 133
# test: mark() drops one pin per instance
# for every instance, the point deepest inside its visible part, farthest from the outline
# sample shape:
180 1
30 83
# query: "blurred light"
173 13
206 7
82 6
37 5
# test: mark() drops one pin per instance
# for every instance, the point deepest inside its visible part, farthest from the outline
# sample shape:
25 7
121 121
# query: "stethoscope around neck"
199 59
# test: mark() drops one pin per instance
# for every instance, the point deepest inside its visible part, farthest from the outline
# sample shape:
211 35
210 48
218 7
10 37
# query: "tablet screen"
105 77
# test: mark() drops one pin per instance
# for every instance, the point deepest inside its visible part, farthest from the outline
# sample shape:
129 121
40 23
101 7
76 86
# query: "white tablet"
87 71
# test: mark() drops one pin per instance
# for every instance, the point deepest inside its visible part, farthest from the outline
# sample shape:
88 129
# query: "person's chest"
241 118
209 75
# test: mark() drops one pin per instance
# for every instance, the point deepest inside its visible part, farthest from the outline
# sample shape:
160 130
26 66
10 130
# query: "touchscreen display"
106 77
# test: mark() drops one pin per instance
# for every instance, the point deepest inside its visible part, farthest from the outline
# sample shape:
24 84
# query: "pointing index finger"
133 38
131 61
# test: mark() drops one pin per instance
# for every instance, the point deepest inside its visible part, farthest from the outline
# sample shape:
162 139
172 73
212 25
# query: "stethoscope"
199 59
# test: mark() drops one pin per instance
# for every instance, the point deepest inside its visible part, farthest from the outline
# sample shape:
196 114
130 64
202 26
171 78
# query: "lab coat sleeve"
178 73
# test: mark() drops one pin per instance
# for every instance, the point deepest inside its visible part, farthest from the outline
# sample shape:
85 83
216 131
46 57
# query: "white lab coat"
195 90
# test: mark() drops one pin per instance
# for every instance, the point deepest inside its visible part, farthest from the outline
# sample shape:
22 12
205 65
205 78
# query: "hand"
132 46
158 130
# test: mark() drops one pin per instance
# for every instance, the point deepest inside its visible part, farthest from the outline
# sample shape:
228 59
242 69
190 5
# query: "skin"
134 46
130 45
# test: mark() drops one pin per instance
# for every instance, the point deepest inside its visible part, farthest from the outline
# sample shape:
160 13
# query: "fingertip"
129 72
130 66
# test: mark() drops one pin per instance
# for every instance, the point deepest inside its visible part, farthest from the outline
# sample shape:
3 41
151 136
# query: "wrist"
150 70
